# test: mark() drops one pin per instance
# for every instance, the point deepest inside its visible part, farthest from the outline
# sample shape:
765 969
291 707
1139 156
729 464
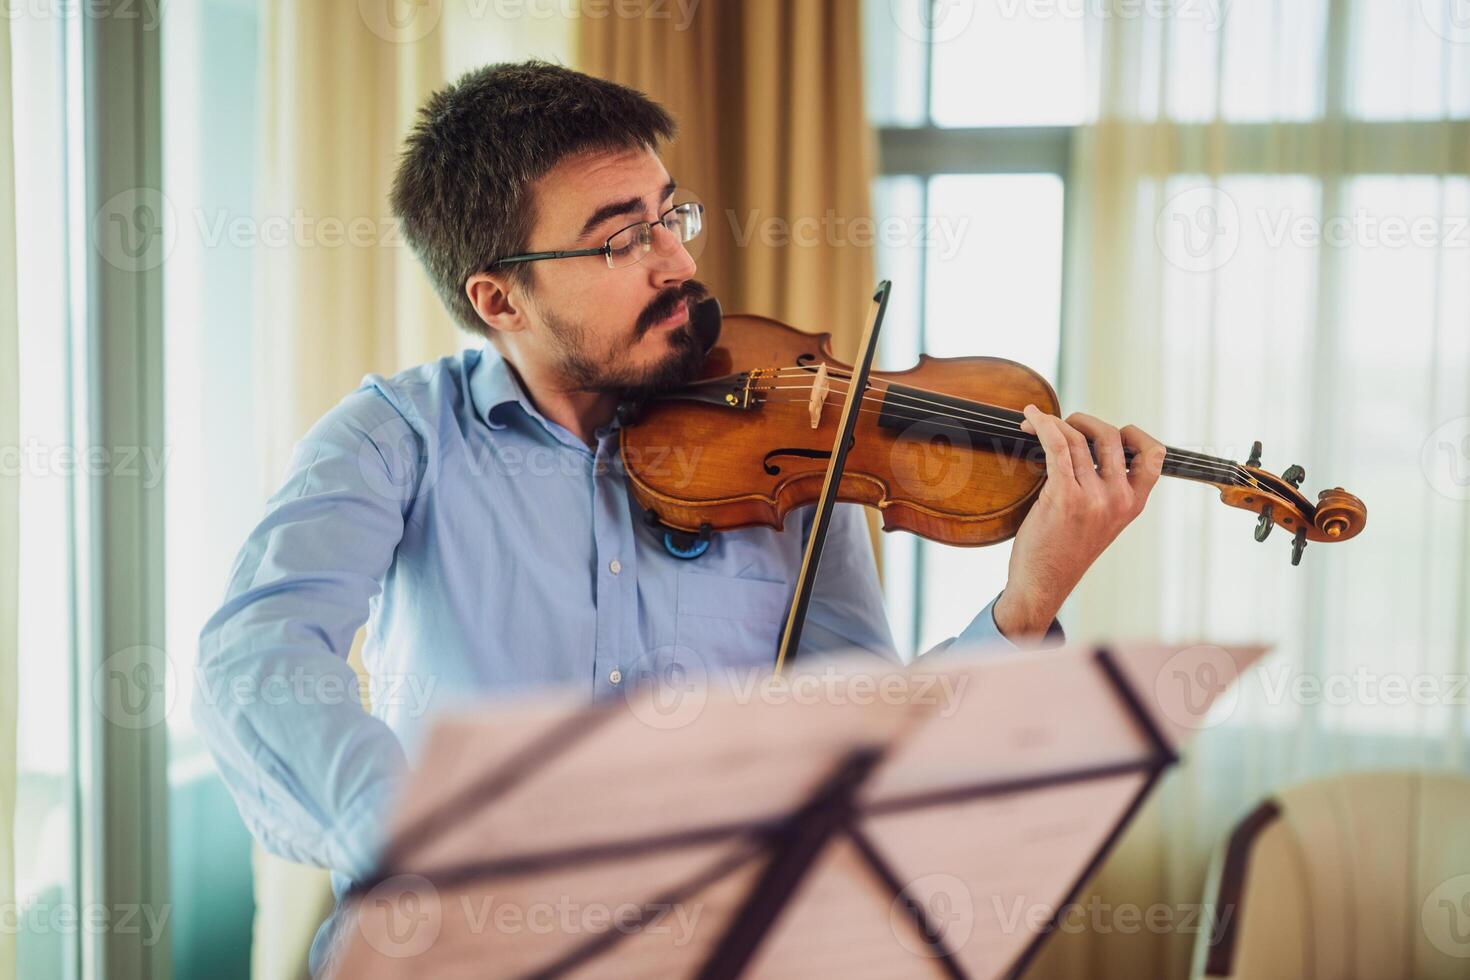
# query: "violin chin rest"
705 320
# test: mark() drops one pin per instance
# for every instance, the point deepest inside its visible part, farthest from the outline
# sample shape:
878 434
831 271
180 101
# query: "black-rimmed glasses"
627 246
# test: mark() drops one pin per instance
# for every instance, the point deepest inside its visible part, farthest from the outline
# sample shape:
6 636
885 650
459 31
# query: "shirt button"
616 676
615 566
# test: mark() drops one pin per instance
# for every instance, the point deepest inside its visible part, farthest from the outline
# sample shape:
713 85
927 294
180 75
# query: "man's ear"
491 297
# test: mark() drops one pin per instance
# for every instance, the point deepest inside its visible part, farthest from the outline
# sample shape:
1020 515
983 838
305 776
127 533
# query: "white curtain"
340 83
1271 240
9 504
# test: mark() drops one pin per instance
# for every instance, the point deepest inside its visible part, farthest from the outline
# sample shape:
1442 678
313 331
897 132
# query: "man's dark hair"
462 190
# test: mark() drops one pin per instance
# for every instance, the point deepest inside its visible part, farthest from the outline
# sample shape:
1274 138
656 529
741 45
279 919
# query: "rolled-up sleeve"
311 771
982 632
847 608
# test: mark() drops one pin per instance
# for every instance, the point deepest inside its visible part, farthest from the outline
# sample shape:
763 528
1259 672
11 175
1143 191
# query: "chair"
291 901
1355 877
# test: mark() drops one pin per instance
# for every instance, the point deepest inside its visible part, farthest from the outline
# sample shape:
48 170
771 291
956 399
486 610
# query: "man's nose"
669 261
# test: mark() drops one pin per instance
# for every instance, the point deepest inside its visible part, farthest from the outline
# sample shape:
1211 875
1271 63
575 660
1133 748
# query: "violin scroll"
1339 515
1336 516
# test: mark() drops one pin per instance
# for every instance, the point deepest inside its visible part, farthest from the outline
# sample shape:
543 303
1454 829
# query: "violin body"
937 449
695 462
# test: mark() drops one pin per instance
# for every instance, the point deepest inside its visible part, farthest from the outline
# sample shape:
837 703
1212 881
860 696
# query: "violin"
937 449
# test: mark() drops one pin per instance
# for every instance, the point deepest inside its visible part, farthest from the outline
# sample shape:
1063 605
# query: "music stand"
747 828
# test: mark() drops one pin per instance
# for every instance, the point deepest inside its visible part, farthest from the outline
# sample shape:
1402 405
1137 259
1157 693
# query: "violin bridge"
820 387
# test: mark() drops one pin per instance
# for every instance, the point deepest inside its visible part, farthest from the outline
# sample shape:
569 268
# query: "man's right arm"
311 772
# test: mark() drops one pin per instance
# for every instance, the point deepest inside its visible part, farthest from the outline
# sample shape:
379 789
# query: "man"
472 510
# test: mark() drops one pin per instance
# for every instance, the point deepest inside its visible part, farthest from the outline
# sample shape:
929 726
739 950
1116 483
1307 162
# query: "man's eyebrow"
632 205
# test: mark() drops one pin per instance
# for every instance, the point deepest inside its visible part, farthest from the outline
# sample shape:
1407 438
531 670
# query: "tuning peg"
1298 545
1255 459
1265 524
1294 474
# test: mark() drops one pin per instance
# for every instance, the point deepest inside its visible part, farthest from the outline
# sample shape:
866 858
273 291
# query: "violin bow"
822 517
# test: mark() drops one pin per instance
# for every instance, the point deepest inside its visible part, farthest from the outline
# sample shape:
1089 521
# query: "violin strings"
1213 474
1207 466
888 389
1199 468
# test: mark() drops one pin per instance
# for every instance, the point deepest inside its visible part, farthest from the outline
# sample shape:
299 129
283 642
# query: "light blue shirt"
489 550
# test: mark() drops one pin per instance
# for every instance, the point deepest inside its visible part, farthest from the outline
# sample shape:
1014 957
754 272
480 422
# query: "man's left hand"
1081 509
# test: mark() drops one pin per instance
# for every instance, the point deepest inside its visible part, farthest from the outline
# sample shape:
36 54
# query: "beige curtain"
1242 267
344 296
9 504
772 139
336 99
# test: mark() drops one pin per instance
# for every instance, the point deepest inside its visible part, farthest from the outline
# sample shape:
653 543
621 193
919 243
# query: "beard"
606 367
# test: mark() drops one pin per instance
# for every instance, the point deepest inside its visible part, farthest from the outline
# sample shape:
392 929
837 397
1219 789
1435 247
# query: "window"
973 107
46 875
1300 243
214 484
213 479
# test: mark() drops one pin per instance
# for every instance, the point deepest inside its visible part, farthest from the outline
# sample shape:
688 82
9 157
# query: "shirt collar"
494 386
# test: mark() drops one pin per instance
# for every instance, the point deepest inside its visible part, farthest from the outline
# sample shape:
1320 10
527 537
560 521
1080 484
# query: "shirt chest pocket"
730 621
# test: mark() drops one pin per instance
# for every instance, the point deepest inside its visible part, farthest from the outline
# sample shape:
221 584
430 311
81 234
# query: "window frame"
114 96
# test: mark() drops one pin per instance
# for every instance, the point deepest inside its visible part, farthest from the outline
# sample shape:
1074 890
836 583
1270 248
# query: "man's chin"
670 359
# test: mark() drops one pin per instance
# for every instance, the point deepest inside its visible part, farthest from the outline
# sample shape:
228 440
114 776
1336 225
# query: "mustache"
691 291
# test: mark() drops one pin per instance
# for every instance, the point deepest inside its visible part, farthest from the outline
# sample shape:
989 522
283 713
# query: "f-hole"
774 470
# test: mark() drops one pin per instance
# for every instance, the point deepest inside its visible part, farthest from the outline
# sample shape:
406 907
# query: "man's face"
623 330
